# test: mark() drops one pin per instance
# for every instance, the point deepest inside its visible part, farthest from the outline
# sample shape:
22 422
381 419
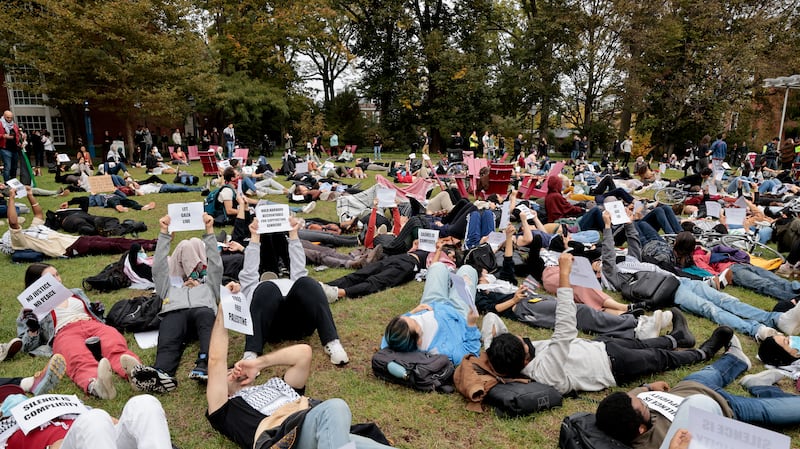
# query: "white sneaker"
491 327
764 378
8 350
648 326
129 363
103 385
666 321
331 292
789 321
309 207
765 332
249 355
735 350
336 351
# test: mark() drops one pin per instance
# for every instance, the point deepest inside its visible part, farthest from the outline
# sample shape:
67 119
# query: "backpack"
419 370
213 207
482 257
579 431
137 314
658 252
655 289
514 399
111 278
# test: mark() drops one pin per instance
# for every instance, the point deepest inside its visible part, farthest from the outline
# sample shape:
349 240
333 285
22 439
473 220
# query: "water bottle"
397 370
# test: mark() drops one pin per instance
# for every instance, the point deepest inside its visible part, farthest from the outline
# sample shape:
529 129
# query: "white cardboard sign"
496 239
223 164
713 431
713 209
17 187
386 197
505 215
428 239
236 311
61 157
44 295
618 214
735 215
186 217
301 167
272 217
41 409
665 404
582 274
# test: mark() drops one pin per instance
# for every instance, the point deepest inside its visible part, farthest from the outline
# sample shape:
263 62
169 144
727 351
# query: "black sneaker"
147 378
718 340
680 330
200 371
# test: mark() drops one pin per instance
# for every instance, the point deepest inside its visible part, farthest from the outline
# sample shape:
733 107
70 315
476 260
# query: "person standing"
517 146
485 142
230 139
215 137
288 142
501 144
205 141
458 141
37 147
719 149
334 142
377 146
787 154
9 145
627 149
426 143
176 138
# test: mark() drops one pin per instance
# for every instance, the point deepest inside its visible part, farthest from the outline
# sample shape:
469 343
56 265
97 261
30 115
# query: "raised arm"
214 261
297 256
217 387
160 261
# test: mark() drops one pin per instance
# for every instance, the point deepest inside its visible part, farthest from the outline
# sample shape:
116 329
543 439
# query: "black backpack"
482 257
512 399
419 370
579 431
112 277
137 314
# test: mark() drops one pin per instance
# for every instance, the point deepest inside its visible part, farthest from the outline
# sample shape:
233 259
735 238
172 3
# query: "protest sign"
62 158
618 214
495 239
505 215
39 410
427 239
223 164
740 202
713 209
186 217
272 217
301 167
101 184
44 295
735 216
17 187
665 404
386 197
236 311
711 431
582 274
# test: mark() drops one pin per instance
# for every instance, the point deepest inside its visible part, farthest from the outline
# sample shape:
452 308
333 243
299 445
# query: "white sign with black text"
186 216
236 311
428 239
272 217
41 409
44 295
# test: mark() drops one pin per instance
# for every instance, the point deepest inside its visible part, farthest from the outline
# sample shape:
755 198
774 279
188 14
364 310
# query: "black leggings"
632 359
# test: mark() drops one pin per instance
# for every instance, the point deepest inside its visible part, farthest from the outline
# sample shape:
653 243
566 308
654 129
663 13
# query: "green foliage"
343 117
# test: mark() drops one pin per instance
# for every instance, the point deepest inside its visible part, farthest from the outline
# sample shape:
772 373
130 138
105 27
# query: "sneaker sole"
105 381
147 378
13 348
55 370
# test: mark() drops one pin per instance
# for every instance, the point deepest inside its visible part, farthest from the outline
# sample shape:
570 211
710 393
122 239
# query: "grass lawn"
409 419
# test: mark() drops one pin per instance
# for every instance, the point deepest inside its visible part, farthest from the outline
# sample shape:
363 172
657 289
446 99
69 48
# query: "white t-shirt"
427 321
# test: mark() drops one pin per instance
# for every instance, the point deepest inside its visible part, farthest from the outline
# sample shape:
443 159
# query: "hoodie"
555 204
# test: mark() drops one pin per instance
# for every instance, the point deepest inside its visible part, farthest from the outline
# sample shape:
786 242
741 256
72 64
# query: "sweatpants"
176 329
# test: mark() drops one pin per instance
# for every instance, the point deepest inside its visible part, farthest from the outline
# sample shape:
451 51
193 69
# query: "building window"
29 123
20 96
58 135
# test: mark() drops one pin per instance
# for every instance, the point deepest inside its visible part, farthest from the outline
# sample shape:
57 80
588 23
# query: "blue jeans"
229 145
617 192
764 282
376 153
768 185
592 220
115 169
4 210
772 409
327 426
481 224
702 299
438 287
646 232
733 187
662 217
10 164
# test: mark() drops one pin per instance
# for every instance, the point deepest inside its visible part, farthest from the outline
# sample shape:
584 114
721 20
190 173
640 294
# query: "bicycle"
749 243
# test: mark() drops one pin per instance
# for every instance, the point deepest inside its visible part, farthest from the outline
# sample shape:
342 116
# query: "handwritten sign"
713 431
618 214
236 311
740 202
223 164
62 158
44 295
101 184
41 409
272 217
665 404
186 217
386 197
735 216
427 239
17 187
713 209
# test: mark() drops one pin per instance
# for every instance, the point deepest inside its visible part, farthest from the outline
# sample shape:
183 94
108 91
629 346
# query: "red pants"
81 365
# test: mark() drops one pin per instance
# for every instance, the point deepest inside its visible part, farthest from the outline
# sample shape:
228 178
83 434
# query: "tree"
81 50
